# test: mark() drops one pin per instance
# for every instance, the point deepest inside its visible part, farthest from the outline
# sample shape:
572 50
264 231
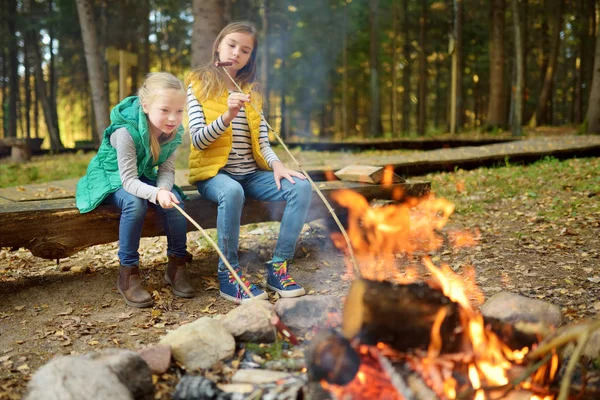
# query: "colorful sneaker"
279 280
232 291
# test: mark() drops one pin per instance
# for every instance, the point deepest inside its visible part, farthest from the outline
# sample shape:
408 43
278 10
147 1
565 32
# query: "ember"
404 338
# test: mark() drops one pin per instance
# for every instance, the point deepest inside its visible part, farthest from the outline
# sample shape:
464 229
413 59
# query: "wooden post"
125 60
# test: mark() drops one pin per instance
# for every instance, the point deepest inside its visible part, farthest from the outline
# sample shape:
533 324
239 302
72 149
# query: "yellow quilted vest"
205 164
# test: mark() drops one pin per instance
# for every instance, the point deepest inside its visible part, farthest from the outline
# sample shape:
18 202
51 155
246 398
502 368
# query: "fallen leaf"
23 367
210 283
67 312
125 315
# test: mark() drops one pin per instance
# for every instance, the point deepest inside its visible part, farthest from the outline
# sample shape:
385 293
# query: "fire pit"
406 335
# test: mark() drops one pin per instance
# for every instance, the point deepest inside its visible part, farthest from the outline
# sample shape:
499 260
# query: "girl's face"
236 47
165 112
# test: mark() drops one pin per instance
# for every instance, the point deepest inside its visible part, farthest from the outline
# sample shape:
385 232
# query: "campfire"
415 332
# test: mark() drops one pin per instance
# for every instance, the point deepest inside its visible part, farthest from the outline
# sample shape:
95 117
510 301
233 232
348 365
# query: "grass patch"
44 169
550 187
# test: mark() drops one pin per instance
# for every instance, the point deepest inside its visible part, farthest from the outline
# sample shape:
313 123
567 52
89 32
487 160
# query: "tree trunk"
496 106
13 73
27 87
52 81
582 27
36 111
593 113
524 15
422 111
437 108
345 74
208 22
394 94
144 64
406 70
545 95
95 66
518 113
40 90
375 127
456 109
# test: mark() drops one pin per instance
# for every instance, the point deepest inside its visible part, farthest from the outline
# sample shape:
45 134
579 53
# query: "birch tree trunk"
496 106
208 21
95 66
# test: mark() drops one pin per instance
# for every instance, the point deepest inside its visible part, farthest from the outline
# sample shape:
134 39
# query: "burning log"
401 316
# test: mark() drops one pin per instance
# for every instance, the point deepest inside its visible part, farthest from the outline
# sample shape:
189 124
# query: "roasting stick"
331 211
274 319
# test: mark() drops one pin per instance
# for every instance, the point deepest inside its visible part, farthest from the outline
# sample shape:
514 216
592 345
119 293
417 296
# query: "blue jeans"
133 211
230 191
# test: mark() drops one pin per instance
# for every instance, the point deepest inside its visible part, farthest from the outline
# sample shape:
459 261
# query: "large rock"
250 323
512 308
113 374
306 314
200 344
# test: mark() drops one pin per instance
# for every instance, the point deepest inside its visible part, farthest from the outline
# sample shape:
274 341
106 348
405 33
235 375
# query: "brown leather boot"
176 276
129 285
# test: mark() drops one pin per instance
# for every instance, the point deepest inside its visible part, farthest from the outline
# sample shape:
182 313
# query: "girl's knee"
232 194
135 207
302 190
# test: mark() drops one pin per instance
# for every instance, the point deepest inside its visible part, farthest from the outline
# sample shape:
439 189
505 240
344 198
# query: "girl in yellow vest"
231 159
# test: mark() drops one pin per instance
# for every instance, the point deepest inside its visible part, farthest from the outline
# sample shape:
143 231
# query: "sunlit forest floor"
540 237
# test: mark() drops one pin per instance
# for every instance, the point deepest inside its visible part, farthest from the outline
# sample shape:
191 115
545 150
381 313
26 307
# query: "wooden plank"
367 174
521 151
442 142
54 229
41 191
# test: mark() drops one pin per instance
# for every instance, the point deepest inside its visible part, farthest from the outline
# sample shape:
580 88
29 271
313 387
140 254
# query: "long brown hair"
212 77
147 93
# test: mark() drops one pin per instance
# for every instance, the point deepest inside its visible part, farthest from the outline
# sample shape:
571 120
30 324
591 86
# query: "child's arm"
265 147
279 170
127 160
166 173
201 134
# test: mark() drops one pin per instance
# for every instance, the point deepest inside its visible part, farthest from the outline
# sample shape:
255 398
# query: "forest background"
331 69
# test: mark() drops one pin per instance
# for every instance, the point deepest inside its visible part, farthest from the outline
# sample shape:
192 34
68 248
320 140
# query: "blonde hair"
153 84
213 78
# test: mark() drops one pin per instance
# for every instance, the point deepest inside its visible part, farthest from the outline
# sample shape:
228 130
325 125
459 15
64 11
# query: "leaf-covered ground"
540 236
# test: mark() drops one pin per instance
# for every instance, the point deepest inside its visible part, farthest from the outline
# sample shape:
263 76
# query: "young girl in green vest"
135 169
231 159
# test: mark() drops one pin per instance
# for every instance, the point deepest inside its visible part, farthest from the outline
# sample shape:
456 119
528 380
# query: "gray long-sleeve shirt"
122 141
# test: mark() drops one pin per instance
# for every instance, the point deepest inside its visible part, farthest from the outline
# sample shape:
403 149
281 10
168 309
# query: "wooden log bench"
20 148
54 229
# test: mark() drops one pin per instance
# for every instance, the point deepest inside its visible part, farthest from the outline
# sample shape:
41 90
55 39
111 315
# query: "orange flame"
414 228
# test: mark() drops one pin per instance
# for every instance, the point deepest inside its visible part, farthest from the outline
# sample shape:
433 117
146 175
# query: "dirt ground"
50 308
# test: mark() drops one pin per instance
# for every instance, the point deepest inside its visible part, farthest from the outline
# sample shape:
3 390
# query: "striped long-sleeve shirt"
240 159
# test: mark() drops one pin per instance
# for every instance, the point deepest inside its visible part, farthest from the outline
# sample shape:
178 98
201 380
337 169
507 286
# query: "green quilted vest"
102 177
